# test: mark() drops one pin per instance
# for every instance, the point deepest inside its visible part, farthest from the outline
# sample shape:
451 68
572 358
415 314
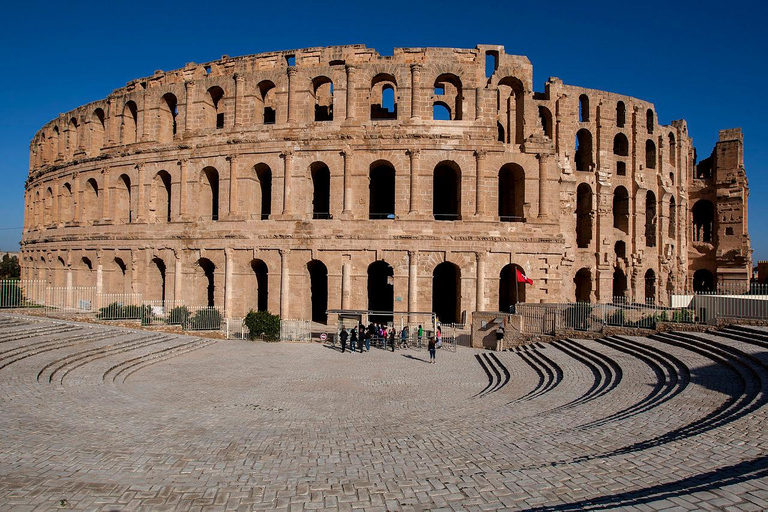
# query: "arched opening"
621 209
650 219
650 287
446 192
703 221
511 108
162 192
446 292
322 90
321 191
208 281
318 288
500 136
511 193
214 108
209 200
620 249
264 178
120 281
621 114
672 150
619 286
129 125
156 280
583 154
381 191
649 120
261 274
583 282
67 204
583 108
583 215
621 168
448 92
166 118
510 290
123 210
650 154
672 217
383 97
86 275
97 130
491 63
91 206
381 290
545 117
620 145
48 207
72 137
268 103
441 111
703 281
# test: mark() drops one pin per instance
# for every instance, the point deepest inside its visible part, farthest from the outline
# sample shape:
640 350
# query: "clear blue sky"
706 62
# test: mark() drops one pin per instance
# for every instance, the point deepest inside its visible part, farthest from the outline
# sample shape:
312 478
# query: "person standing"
439 336
431 347
392 338
419 334
343 338
353 340
404 337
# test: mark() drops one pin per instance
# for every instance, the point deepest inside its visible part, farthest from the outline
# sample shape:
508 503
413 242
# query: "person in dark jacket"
353 340
392 338
343 338
432 351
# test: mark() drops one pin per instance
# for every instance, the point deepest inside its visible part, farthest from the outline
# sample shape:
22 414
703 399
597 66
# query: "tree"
9 267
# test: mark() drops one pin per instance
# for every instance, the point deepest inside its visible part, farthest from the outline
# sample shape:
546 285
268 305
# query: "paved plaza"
106 418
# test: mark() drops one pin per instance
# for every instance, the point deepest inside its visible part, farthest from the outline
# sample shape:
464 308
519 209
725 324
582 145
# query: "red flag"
521 278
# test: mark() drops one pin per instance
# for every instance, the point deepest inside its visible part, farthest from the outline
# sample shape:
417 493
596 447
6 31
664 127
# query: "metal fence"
164 312
119 306
295 330
235 329
582 316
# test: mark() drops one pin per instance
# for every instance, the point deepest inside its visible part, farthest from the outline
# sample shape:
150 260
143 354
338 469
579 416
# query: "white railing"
119 306
164 312
235 329
295 330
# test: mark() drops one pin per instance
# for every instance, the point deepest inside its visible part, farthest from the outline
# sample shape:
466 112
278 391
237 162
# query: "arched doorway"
650 287
446 192
156 282
703 281
510 291
262 288
318 288
381 193
583 281
583 215
619 286
208 269
381 290
446 292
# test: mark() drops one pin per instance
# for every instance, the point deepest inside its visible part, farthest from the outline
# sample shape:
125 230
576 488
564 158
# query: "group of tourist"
361 337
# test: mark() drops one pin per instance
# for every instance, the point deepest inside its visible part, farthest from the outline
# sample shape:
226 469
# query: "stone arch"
209 193
73 136
650 219
583 215
98 129
672 218
383 97
155 287
213 108
583 154
545 118
650 286
53 144
162 196
117 279
381 290
258 289
583 108
48 214
129 125
381 190
650 154
672 148
446 292
318 290
649 121
510 290
621 114
166 117
511 108
91 206
86 275
620 145
122 200
619 285
448 93
446 191
511 193
583 285
322 92
621 209
66 203
205 282
263 175
703 213
703 281
320 176
266 104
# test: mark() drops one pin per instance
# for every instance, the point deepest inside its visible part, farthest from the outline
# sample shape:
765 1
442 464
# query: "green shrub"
117 311
178 316
263 323
208 319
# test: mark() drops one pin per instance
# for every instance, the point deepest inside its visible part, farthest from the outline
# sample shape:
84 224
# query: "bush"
204 320
117 311
178 316
263 323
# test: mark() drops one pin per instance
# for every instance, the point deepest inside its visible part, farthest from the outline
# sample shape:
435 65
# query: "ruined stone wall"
339 178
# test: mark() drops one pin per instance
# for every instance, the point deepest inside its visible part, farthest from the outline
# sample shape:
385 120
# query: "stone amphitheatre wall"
329 178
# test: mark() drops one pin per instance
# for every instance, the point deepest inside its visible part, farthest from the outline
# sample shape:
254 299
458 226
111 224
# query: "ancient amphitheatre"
327 178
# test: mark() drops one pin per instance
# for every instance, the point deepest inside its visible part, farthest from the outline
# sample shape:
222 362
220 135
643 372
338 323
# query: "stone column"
284 282
415 204
227 282
478 104
346 284
292 111
233 206
141 196
413 276
110 121
347 155
544 188
287 157
144 121
239 106
177 275
350 91
105 202
480 297
76 201
480 172
55 213
182 164
415 92
189 89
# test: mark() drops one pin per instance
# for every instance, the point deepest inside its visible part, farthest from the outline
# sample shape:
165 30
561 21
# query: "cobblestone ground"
102 418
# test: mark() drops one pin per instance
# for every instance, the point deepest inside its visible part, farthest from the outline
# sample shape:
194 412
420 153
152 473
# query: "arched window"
621 209
209 200
264 178
441 111
261 276
650 154
213 108
619 286
205 282
129 126
91 206
620 249
322 90
650 219
381 191
672 217
703 221
381 295
166 118
703 281
621 168
120 280
446 192
162 196
583 108
620 145
583 154
511 193
500 135
446 292
583 282
545 118
318 290
53 144
97 130
448 94
383 97
156 284
268 104
511 108
48 211
621 114
67 204
583 215
672 149
510 290
650 287
123 210
86 276
649 120
321 191
72 137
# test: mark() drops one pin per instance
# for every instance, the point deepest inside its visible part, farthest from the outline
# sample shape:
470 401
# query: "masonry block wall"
329 178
